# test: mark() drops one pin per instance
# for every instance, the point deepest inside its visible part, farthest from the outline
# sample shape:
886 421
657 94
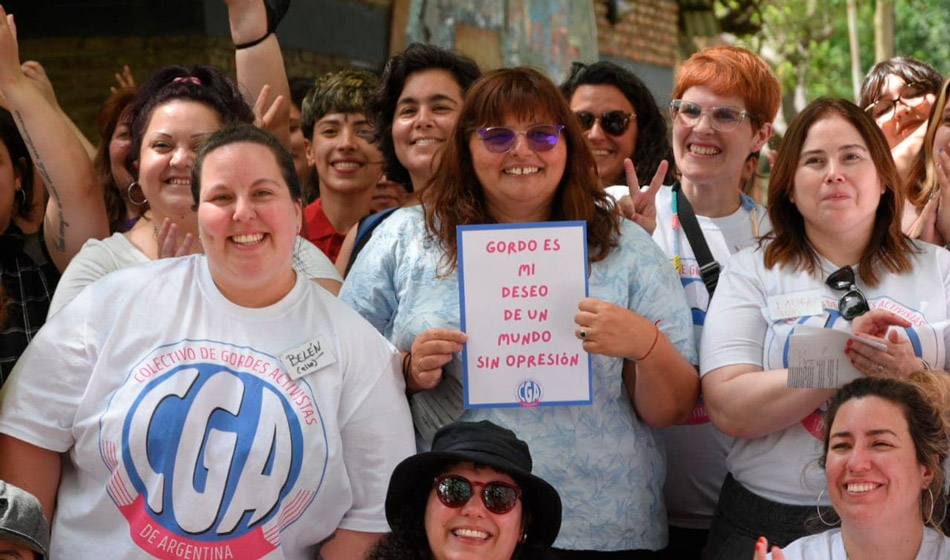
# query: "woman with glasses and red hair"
518 155
836 259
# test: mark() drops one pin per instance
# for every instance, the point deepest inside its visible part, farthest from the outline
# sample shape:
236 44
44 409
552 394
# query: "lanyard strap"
708 267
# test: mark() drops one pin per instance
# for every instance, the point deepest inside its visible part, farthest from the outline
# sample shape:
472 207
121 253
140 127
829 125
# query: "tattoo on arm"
60 244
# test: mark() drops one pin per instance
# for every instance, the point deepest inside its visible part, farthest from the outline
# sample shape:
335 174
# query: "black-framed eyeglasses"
853 303
722 119
455 491
501 139
911 95
614 123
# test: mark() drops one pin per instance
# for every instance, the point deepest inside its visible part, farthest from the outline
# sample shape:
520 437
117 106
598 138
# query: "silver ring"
583 334
880 369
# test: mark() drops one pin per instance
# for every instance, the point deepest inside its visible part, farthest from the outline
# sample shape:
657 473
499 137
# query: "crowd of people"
224 328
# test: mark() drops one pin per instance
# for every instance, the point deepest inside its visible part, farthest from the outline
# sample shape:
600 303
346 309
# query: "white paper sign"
816 358
519 286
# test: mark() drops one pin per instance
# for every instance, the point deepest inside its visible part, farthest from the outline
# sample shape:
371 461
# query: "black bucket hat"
486 444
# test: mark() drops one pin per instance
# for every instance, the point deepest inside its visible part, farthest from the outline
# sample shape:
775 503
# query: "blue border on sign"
459 231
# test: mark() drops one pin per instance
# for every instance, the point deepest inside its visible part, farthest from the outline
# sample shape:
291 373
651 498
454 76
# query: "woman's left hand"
898 361
605 328
762 550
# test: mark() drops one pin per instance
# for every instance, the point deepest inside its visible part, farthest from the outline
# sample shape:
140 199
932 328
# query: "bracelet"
406 363
253 43
656 337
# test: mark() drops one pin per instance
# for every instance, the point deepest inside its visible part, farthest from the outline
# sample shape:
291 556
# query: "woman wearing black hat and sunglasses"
473 496
837 260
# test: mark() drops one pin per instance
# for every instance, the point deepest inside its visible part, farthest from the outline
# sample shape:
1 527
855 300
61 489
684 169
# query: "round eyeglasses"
722 119
501 139
455 491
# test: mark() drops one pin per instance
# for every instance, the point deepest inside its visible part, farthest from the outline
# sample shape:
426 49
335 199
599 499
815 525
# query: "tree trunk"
883 30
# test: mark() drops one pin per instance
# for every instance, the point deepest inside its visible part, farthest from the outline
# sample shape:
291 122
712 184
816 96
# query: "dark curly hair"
653 144
416 58
21 161
204 84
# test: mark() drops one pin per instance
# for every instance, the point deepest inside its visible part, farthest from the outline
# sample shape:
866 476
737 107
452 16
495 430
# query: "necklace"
747 203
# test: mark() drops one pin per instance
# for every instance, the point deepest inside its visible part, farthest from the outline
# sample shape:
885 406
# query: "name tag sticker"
307 358
797 304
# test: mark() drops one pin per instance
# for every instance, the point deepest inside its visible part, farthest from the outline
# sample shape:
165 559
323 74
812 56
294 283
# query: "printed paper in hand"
816 358
519 286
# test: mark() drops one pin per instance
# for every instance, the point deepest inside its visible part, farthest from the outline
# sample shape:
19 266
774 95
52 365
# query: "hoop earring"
818 509
930 517
524 537
22 201
129 194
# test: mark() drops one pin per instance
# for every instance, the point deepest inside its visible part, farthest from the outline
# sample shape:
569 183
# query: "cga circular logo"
529 393
207 459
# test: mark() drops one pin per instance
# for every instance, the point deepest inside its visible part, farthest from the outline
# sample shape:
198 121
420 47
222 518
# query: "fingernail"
848 349
850 342
852 363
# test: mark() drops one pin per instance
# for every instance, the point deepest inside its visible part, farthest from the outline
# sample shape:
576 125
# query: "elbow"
727 424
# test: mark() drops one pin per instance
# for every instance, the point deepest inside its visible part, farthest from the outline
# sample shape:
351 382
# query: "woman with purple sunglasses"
518 155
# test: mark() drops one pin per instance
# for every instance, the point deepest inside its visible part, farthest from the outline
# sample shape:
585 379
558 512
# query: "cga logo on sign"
212 451
529 393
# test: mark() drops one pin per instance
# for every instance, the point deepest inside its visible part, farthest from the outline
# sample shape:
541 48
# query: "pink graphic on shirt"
815 423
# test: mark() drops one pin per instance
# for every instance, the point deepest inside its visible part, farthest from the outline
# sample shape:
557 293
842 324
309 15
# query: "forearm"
261 64
346 545
31 468
665 385
755 403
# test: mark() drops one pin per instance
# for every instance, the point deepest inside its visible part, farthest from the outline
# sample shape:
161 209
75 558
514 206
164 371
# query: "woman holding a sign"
836 260
215 405
518 157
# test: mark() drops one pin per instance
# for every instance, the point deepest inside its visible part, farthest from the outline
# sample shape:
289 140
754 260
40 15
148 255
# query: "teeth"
426 141
346 165
600 152
703 151
521 170
185 182
470 533
861 488
248 239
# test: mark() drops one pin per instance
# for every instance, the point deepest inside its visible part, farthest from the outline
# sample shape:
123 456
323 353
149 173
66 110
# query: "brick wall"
647 33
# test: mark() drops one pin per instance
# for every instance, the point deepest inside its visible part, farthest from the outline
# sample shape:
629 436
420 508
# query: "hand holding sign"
431 350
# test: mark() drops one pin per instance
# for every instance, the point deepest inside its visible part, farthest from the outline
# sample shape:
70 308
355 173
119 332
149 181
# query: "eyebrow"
224 186
841 149
431 99
877 432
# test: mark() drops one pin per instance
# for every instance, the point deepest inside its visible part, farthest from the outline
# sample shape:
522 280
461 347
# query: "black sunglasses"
852 303
614 123
455 491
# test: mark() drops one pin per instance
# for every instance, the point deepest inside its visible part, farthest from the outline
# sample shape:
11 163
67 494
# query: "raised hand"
762 550
168 241
640 207
266 111
124 79
37 76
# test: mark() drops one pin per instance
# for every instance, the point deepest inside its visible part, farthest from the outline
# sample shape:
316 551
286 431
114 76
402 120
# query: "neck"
710 199
518 215
145 233
841 248
419 181
898 539
344 209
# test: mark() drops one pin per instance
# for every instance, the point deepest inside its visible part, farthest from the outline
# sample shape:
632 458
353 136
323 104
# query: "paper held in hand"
519 286
816 358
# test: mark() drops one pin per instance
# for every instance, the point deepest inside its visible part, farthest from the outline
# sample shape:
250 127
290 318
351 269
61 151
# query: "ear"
18 174
762 136
307 148
298 217
927 474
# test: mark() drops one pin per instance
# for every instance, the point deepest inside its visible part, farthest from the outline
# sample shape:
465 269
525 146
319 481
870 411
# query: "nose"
243 209
424 117
183 158
596 131
474 506
521 147
348 138
859 460
834 174
704 122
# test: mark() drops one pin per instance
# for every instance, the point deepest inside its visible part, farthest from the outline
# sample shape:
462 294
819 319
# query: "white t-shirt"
782 466
696 452
188 437
98 258
830 546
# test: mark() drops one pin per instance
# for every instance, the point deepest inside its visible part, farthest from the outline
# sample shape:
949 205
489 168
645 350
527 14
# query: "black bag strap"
708 267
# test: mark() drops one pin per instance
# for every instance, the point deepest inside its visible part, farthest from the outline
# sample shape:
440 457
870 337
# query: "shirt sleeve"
92 262
656 292
370 286
376 428
735 327
39 401
312 263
